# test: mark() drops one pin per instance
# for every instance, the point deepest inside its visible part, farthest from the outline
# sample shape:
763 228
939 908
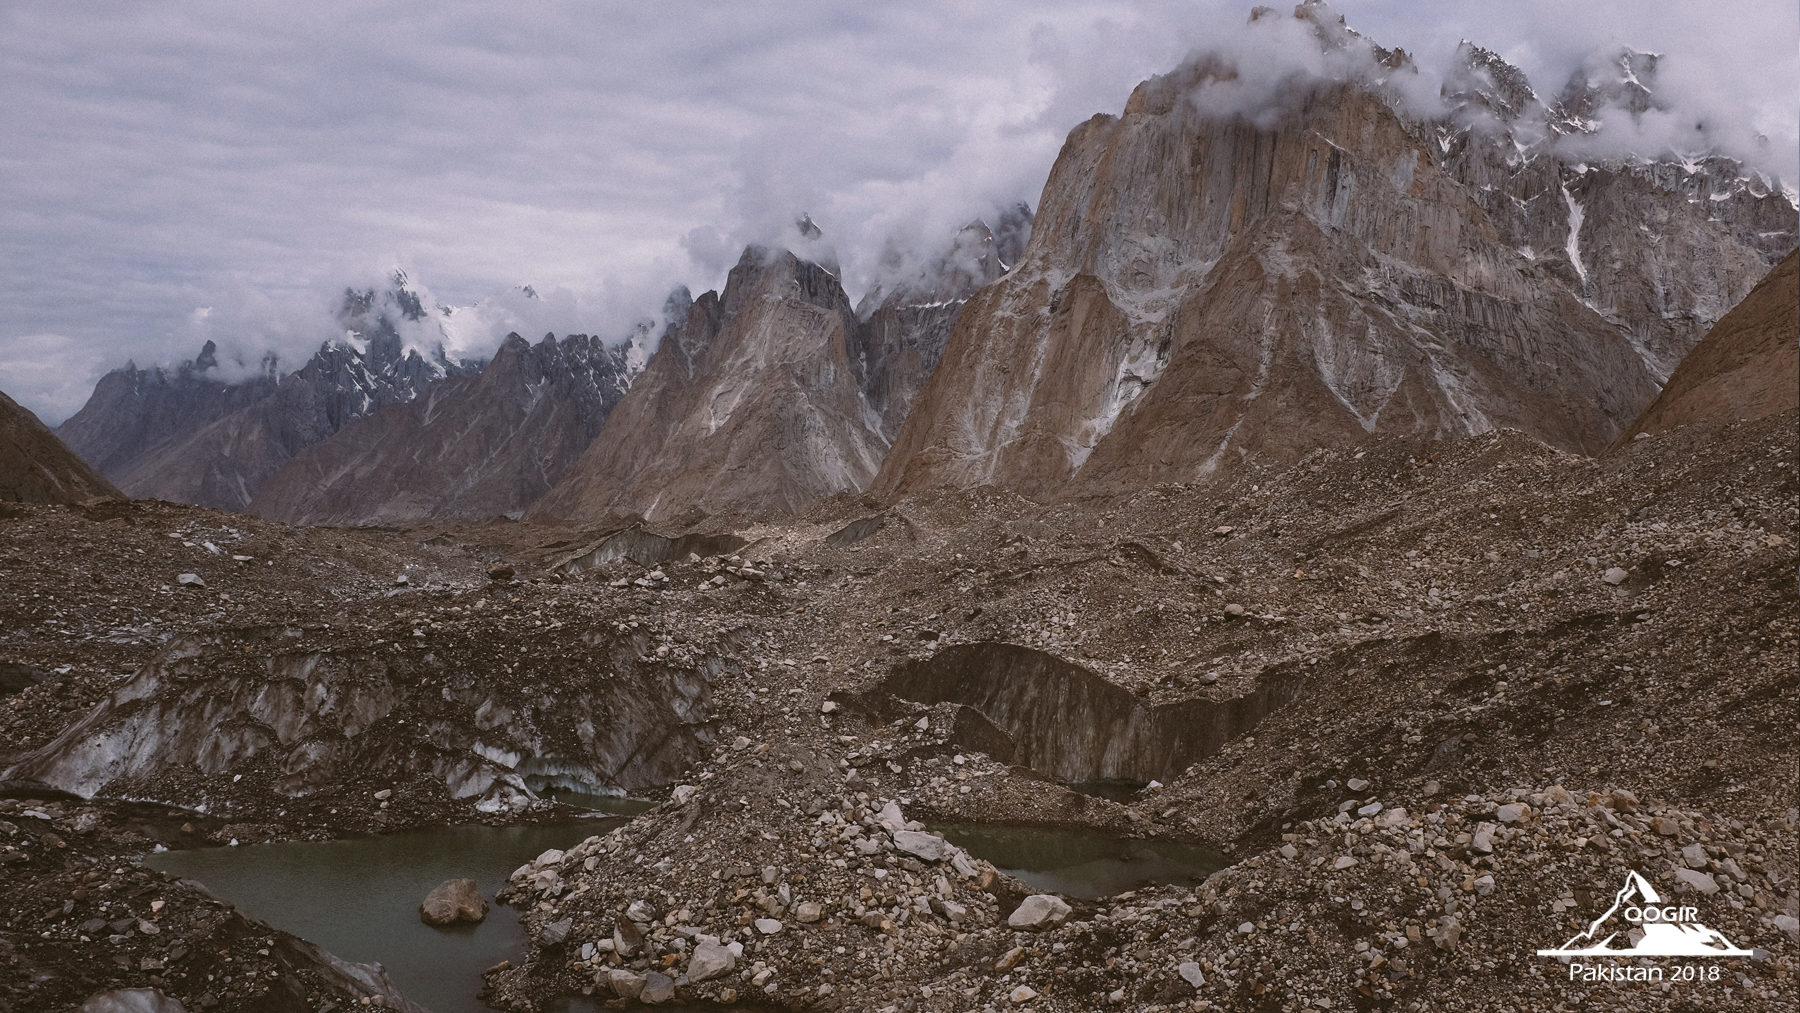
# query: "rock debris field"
1431 702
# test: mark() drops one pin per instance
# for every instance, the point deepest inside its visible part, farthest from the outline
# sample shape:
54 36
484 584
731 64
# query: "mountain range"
1203 286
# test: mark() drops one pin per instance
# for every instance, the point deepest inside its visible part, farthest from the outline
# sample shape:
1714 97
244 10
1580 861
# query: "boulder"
930 847
1039 911
658 988
626 984
1700 881
554 933
454 900
710 960
627 937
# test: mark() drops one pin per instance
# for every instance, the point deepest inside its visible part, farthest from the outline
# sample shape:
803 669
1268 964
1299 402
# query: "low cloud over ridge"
165 160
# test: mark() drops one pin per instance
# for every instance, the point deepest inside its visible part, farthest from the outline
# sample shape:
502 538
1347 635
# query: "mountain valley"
1394 505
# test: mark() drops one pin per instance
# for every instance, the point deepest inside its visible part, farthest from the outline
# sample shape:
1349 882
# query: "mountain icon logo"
1661 931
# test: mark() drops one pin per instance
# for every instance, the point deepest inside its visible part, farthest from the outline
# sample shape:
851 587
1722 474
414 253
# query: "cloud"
50 374
256 159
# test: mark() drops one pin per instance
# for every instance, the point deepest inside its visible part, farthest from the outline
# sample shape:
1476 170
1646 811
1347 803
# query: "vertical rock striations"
1747 367
1208 281
1660 246
750 407
469 448
905 319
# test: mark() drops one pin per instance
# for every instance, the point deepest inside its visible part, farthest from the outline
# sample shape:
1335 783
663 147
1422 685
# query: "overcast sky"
177 171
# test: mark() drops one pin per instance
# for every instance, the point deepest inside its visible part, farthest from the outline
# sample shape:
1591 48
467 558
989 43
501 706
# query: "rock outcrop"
1204 286
452 901
189 436
134 413
904 320
750 406
1746 367
1661 246
35 466
470 448
307 718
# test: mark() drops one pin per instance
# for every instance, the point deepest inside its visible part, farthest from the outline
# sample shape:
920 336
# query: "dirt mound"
1747 366
35 466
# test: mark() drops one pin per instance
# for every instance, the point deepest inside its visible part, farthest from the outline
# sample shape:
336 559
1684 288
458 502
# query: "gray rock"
554 933
640 911
768 926
1615 576
950 909
658 988
627 937
627 984
190 580
1483 839
1512 813
1700 881
710 960
453 900
930 847
1190 973
1039 911
809 912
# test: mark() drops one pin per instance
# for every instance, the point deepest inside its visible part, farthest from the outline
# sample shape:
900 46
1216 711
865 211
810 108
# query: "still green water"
359 898
1080 863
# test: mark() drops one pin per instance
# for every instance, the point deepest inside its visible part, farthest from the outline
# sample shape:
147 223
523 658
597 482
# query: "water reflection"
359 898
613 805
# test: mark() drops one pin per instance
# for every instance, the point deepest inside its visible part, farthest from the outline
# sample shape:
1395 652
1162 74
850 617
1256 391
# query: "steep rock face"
1201 286
135 412
35 466
237 701
750 407
1211 289
1662 247
904 321
1747 366
1068 723
187 436
470 448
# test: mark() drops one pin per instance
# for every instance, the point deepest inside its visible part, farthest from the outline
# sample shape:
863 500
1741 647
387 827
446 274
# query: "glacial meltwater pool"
1083 863
359 898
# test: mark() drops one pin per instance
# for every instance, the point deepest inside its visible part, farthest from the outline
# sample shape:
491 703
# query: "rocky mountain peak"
1480 83
1618 77
750 406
